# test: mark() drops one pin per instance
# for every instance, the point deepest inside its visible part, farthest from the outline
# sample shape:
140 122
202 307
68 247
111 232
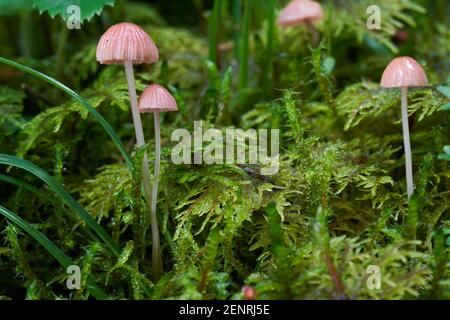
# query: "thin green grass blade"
42 195
60 191
236 8
214 30
64 260
329 26
268 66
244 45
109 130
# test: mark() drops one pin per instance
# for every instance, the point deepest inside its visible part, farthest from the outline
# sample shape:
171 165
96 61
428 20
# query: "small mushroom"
156 99
249 293
126 43
405 72
302 12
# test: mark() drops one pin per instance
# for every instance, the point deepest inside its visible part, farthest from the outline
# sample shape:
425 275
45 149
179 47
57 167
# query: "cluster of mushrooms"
402 72
126 43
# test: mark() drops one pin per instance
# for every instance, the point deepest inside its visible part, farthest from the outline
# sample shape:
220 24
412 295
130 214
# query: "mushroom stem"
145 168
155 251
315 36
407 143
134 104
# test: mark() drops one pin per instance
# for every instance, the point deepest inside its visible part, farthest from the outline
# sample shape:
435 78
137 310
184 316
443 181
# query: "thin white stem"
134 104
156 175
156 257
407 143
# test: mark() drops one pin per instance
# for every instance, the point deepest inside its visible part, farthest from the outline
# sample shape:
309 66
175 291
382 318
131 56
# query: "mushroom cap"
249 293
298 12
126 41
156 98
404 72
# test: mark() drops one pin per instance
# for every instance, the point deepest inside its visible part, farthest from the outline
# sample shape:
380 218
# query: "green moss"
336 208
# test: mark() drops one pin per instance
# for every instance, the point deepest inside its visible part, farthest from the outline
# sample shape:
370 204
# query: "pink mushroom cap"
249 293
156 98
298 12
124 42
404 72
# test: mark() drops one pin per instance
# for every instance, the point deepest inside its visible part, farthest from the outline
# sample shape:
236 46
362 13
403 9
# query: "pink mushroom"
126 43
156 99
405 72
249 293
302 12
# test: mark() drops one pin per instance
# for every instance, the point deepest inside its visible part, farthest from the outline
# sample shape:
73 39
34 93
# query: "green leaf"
60 191
88 8
446 232
214 30
445 156
64 260
445 90
329 64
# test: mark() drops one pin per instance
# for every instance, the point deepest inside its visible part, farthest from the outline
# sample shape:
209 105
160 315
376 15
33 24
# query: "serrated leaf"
88 8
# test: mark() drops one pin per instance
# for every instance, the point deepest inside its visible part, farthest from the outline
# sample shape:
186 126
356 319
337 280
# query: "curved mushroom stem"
155 251
407 143
156 259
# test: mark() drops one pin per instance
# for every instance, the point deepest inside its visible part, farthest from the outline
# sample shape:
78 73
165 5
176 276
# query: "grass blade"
244 45
268 63
106 126
64 260
60 191
236 8
329 26
214 31
43 196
